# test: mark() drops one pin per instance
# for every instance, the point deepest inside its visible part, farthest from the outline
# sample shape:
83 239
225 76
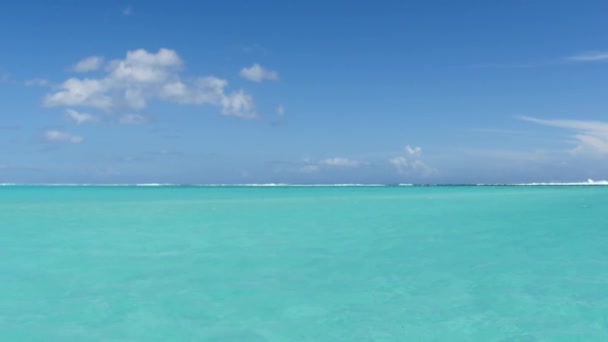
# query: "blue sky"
303 92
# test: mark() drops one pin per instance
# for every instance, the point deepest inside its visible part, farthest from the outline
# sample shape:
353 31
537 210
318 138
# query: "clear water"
304 264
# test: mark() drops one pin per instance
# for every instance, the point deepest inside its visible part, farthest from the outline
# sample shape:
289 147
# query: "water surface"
304 264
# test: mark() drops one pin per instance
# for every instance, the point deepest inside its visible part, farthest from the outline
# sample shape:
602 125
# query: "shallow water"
304 264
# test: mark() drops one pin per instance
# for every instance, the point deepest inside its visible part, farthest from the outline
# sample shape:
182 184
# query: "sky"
308 92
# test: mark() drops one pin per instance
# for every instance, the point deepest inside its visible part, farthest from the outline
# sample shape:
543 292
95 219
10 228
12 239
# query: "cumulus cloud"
88 64
131 83
59 136
410 163
238 104
81 92
80 117
591 137
258 73
593 56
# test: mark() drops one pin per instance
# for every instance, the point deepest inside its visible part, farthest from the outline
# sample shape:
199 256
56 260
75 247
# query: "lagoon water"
304 264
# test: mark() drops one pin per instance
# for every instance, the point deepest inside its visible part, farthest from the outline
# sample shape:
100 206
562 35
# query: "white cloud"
141 67
238 104
210 90
202 90
591 136
133 119
280 110
58 136
142 76
80 117
415 151
593 56
88 64
81 92
258 73
37 82
411 163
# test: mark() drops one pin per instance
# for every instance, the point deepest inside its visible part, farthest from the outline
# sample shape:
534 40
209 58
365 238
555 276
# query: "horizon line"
202 185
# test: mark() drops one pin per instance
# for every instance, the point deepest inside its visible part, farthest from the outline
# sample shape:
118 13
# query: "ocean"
253 264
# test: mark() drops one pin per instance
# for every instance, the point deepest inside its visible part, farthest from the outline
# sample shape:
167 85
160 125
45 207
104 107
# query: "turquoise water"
304 264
